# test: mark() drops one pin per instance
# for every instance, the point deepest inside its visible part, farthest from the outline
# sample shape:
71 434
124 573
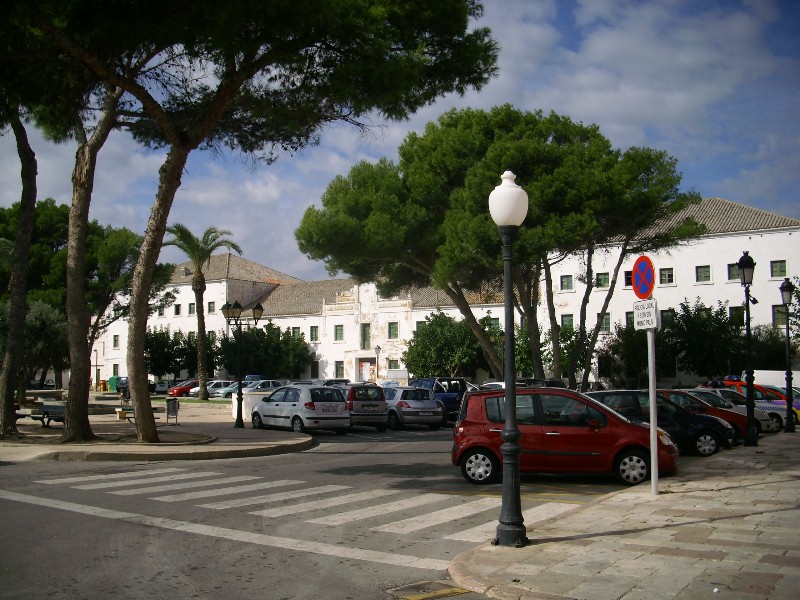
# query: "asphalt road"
353 518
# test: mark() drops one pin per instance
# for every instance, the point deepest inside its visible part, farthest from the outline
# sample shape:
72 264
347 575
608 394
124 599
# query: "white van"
776 378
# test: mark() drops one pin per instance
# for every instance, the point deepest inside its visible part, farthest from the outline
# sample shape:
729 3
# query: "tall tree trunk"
529 296
199 288
76 421
15 342
169 181
555 326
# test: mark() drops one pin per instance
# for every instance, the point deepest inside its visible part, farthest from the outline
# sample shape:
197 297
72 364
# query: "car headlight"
664 437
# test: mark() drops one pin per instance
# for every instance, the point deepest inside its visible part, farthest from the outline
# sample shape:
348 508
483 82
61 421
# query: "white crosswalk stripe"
378 510
440 516
183 486
123 475
487 531
227 491
323 489
317 504
132 482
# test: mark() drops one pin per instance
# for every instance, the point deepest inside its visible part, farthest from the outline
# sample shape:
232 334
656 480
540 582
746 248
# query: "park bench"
46 413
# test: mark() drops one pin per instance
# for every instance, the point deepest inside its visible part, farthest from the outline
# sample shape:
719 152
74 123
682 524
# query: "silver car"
733 400
301 408
412 405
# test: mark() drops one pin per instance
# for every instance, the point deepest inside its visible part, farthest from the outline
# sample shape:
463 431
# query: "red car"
562 432
181 390
694 404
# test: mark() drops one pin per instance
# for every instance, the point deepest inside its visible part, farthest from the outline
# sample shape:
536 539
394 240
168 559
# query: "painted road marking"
83 478
280 511
487 531
323 489
248 537
184 486
440 516
132 482
378 510
263 485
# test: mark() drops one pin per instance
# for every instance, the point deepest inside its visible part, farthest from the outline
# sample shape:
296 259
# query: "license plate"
369 408
329 410
425 413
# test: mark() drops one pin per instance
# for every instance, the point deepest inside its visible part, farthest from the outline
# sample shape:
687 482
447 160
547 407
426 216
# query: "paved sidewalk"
204 431
725 527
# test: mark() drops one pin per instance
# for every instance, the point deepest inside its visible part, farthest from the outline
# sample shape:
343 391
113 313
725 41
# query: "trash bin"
112 383
172 409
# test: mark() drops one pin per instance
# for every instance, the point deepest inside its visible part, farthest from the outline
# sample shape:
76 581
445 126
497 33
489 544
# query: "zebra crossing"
327 506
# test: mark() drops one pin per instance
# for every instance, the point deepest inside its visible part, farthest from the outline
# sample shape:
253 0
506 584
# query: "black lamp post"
787 292
746 266
233 314
508 205
377 362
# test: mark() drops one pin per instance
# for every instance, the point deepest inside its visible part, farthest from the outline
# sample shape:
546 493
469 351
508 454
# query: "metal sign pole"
651 368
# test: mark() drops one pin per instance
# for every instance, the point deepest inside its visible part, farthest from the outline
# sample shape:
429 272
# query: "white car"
721 398
303 407
161 387
211 385
412 405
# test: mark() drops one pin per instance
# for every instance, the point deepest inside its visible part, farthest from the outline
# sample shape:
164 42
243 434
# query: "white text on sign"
645 314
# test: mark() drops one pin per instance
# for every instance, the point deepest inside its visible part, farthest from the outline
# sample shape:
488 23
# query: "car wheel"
776 418
185 395
706 443
257 422
631 467
758 427
297 425
480 466
394 421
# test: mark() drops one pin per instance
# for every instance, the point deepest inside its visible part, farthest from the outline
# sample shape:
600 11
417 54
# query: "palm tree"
199 251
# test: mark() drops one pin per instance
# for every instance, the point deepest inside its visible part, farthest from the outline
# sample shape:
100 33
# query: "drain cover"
426 590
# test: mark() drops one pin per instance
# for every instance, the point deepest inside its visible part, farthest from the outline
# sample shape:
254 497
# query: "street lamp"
787 292
233 314
508 205
746 266
377 361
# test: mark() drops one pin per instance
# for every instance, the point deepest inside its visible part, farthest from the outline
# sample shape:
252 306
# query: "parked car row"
564 431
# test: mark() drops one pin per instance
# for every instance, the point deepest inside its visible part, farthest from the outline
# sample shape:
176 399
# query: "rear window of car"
368 392
526 413
326 394
416 394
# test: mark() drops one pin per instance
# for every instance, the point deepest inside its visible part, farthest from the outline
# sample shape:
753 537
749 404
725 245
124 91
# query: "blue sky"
716 84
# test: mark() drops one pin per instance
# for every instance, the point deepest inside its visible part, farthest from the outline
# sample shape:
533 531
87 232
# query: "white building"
344 321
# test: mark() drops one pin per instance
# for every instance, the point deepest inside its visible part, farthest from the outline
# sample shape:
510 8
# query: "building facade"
344 322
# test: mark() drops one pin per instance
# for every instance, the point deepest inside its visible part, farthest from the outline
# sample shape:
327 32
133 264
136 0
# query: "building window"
338 369
567 321
628 278
667 317
629 319
315 369
177 310
494 324
313 333
419 325
605 322
702 274
115 370
115 342
602 280
366 336
394 363
160 311
733 272
566 283
666 276
212 307
779 315
295 332
192 310
394 330
777 268
338 333
191 336
736 315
